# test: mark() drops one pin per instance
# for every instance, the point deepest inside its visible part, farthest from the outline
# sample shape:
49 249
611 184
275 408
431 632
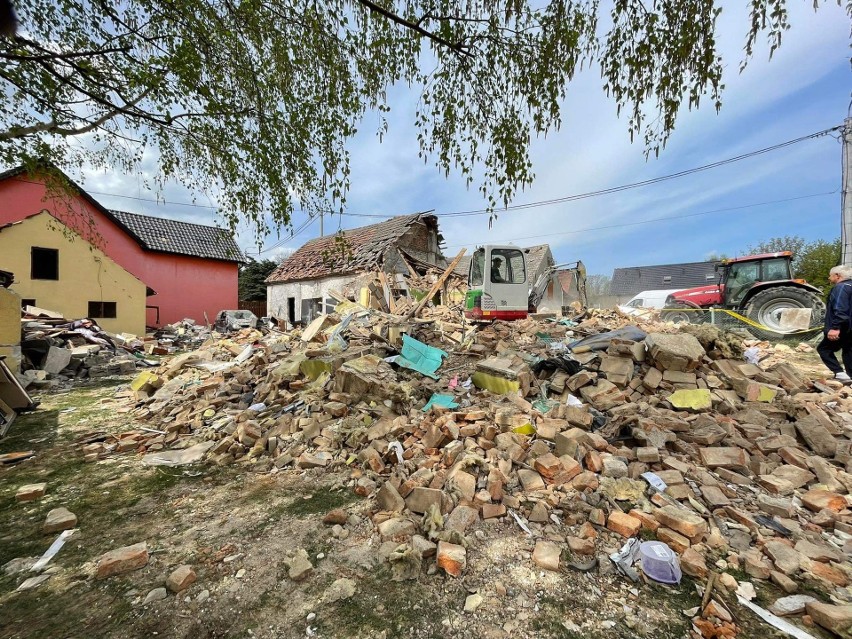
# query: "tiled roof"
463 267
183 238
364 248
536 255
635 279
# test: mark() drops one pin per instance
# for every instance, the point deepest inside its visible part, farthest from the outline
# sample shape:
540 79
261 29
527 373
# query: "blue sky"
804 89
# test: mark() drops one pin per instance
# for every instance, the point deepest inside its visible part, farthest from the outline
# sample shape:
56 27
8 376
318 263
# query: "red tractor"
759 287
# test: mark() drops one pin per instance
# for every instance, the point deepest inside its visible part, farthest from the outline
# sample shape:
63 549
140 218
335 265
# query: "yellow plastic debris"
495 383
146 379
697 399
526 429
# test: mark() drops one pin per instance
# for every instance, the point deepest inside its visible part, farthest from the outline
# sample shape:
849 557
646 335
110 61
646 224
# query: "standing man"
838 332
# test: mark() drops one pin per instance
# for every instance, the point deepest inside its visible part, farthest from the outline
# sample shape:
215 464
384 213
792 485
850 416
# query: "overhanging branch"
458 47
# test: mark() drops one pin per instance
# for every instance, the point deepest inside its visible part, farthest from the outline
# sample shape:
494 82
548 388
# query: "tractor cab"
739 279
740 275
763 289
498 286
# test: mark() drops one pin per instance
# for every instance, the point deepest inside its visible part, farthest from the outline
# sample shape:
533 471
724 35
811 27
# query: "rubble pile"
57 349
180 336
584 434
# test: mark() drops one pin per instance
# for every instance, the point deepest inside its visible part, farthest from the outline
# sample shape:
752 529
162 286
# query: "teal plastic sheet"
445 401
420 357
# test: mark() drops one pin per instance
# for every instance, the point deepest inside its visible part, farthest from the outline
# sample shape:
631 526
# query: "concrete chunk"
30 492
546 555
676 352
836 619
59 519
420 499
724 457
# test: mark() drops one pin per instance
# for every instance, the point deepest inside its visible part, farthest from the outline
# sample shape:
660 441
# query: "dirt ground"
237 526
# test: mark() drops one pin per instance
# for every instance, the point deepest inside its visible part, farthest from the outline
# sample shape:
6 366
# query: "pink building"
190 269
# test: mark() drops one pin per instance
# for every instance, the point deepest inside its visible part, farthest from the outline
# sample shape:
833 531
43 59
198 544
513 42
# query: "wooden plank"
407 265
436 286
388 292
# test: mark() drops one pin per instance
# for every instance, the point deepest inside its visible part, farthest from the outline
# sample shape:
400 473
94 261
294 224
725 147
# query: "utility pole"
846 194
321 233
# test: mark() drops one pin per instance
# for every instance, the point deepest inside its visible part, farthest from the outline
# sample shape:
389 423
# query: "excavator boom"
539 287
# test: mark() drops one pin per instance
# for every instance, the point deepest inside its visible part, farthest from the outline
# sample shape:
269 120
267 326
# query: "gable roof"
364 248
67 229
183 238
160 234
634 279
536 256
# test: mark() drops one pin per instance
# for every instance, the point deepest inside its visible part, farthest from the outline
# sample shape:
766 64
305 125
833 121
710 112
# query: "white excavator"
499 286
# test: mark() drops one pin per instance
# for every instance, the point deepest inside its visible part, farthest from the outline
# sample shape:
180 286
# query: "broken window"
477 268
102 310
44 263
311 308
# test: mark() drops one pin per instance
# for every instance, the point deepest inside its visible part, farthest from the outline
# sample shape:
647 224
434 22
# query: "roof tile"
182 238
364 248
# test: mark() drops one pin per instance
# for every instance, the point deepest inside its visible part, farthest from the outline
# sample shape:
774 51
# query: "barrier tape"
737 316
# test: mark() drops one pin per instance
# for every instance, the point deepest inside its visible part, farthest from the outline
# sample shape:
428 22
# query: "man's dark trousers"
827 349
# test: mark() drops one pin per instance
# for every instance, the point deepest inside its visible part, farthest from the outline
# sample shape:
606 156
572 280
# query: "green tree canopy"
817 259
252 286
258 98
792 243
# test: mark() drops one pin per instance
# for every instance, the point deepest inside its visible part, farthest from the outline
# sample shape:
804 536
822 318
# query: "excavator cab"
498 286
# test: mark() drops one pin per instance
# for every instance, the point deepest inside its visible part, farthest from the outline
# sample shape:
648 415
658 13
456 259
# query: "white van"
651 299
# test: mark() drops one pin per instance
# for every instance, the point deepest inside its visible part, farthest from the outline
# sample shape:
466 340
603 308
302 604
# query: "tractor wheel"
682 315
765 309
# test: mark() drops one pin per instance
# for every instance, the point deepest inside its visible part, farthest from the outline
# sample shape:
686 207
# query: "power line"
284 240
632 185
665 219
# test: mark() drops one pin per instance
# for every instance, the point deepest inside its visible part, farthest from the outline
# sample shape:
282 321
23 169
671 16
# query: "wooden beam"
388 292
436 286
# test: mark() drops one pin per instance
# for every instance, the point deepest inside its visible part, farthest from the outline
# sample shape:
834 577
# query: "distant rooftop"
634 279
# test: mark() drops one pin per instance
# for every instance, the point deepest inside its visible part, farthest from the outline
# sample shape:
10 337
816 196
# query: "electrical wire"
632 185
663 219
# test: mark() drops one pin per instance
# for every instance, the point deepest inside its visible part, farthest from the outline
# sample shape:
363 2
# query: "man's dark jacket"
839 308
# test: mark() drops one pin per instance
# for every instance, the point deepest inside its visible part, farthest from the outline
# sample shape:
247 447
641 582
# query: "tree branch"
458 47
57 55
53 127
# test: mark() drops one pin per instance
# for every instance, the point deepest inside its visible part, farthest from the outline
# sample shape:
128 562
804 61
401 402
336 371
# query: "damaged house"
304 285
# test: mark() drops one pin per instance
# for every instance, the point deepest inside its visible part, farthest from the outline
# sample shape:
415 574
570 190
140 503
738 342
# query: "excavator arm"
539 287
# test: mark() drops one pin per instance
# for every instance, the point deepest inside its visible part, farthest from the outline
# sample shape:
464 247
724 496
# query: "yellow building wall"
86 274
10 328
